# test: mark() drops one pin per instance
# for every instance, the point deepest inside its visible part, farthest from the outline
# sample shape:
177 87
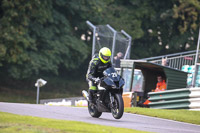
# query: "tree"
170 27
43 36
36 37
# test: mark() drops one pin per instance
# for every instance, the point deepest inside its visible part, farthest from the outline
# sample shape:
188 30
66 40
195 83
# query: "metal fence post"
129 45
94 36
114 40
196 61
134 102
38 94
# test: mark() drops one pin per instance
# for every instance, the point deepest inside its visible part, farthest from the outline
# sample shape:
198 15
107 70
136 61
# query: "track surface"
132 121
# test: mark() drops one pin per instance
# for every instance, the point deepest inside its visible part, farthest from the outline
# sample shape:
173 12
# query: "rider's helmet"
104 54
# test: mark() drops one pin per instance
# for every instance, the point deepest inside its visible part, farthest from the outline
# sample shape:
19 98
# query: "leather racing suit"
95 70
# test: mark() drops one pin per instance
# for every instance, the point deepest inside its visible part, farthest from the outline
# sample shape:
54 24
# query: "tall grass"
29 96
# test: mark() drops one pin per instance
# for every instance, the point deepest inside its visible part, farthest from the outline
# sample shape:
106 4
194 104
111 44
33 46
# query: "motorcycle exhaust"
85 94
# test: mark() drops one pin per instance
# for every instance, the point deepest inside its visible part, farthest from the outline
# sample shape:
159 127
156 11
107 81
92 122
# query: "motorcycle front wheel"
118 106
93 110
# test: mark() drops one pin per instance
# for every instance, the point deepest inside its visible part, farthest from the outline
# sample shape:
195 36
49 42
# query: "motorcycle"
108 97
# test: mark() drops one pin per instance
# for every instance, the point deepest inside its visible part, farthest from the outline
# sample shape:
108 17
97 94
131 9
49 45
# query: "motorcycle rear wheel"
118 106
93 111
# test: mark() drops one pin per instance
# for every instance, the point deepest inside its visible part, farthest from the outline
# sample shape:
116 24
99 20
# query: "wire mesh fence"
104 38
121 45
117 41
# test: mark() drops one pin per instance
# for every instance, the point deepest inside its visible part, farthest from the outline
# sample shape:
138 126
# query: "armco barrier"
63 101
187 98
130 99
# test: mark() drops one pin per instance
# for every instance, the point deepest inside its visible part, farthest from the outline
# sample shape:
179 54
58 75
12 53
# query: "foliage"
42 37
163 28
28 95
36 37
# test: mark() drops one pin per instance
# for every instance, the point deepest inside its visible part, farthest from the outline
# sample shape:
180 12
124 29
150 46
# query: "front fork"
111 100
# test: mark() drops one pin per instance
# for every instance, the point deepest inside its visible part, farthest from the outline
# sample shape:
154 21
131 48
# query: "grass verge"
28 96
11 123
177 115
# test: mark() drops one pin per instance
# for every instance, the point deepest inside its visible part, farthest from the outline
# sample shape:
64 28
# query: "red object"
146 102
160 86
188 58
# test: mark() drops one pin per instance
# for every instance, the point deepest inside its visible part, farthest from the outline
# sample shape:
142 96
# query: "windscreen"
109 72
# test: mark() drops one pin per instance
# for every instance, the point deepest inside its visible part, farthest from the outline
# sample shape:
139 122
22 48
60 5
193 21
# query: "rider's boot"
91 93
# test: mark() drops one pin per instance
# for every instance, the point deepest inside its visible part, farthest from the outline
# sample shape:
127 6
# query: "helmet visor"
106 58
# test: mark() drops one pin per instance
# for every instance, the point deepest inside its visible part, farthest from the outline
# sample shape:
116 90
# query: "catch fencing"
116 41
176 61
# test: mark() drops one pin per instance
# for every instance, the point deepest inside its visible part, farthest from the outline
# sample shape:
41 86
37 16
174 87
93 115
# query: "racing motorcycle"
108 97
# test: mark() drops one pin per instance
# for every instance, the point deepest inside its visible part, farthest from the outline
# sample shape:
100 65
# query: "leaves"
43 36
35 38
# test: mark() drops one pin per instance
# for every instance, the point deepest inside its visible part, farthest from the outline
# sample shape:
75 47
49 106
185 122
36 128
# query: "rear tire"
93 110
118 106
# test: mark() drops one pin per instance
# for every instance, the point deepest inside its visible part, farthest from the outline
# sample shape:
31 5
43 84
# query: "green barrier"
168 95
176 99
174 104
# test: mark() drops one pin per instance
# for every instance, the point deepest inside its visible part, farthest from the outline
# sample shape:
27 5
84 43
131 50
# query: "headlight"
113 86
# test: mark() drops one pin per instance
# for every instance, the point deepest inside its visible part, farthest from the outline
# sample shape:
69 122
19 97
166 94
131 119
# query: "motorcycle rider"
95 70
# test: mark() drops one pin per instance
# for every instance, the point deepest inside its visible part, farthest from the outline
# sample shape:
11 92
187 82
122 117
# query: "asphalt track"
132 121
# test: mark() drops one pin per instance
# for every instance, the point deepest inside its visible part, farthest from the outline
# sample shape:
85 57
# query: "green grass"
29 96
177 115
10 123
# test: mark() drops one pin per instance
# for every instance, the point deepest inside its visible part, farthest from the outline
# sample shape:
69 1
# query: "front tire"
93 110
118 106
